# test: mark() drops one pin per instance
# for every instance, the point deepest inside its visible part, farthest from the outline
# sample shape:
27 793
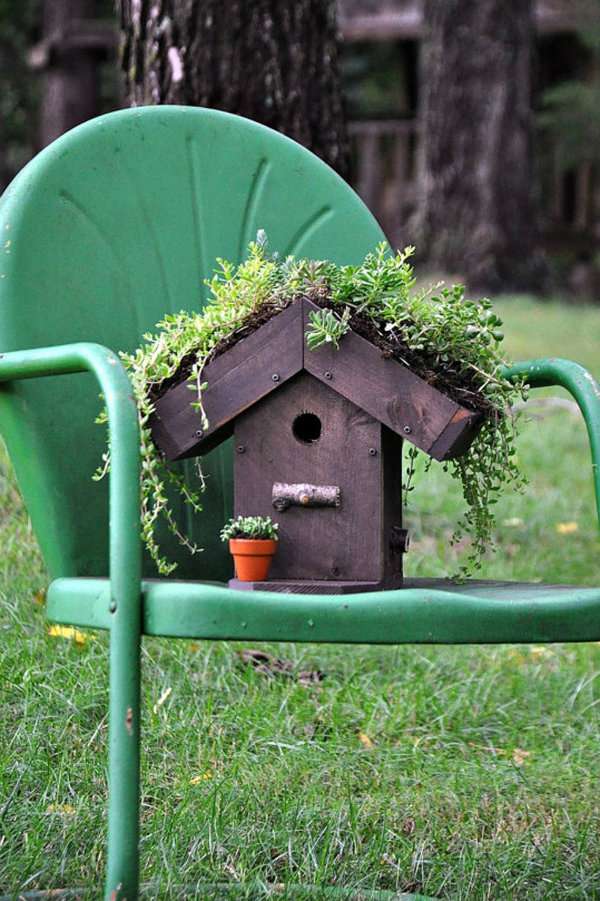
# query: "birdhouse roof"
274 353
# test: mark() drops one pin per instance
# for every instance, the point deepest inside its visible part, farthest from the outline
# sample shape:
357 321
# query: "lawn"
463 773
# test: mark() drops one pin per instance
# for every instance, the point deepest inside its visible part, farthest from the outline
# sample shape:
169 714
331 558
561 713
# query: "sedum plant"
454 343
253 527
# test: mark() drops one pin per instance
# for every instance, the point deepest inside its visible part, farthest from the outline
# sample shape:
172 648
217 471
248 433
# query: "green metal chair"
114 225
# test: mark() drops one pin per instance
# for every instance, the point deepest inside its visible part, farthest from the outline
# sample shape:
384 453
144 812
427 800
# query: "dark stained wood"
316 543
262 362
305 586
458 435
391 494
235 380
392 394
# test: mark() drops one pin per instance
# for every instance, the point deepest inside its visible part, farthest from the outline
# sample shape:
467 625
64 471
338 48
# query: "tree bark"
476 211
271 61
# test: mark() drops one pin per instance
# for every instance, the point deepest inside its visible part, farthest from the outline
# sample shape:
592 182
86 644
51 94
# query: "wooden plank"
305 586
458 435
265 360
315 543
238 378
391 393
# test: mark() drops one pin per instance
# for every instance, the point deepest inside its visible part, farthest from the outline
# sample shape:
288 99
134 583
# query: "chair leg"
122 879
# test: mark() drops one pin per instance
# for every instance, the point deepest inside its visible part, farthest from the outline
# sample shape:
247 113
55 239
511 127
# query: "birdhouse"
318 438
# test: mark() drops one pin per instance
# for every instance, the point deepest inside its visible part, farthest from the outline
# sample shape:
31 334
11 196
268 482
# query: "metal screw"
372 452
328 375
275 377
199 433
407 430
241 448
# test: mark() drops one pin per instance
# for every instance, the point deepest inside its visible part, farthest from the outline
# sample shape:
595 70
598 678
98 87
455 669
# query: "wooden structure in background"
385 151
387 20
318 440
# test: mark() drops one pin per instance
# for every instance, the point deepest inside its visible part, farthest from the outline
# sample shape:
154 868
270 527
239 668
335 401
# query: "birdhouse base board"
288 586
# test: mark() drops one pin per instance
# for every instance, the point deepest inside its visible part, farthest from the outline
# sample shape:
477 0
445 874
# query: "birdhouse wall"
305 433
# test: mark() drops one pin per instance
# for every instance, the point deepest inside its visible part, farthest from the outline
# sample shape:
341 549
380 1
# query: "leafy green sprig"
253 527
326 327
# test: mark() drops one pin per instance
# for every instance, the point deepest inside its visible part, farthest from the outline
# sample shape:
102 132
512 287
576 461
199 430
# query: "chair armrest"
124 442
581 385
125 584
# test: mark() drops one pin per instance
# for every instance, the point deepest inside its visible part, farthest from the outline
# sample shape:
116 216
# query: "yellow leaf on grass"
539 652
365 740
566 528
202 777
162 699
39 597
69 632
64 809
519 756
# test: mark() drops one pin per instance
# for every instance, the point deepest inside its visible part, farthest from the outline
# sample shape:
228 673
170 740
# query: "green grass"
246 778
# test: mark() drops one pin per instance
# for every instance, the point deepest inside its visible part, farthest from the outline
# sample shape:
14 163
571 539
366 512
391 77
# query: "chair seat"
423 611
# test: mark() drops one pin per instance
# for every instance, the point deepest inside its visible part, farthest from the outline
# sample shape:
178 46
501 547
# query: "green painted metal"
583 387
123 587
112 226
454 615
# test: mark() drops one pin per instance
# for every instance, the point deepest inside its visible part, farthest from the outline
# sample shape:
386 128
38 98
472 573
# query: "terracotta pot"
252 557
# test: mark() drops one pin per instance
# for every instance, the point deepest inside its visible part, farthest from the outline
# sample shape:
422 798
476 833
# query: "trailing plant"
253 527
450 341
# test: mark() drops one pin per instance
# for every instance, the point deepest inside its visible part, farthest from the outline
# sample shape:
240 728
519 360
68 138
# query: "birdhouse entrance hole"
307 428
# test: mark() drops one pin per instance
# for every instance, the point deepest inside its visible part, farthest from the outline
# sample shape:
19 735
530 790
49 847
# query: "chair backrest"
112 226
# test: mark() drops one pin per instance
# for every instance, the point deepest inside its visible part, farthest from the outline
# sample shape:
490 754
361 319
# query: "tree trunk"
476 211
273 62
70 86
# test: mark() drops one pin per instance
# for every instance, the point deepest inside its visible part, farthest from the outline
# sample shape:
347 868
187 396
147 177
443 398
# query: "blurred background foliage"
19 94
571 107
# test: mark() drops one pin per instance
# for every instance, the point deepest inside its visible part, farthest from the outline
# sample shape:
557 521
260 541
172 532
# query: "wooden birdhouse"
318 438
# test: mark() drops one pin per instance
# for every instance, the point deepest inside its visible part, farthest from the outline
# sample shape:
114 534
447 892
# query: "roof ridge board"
262 361
382 386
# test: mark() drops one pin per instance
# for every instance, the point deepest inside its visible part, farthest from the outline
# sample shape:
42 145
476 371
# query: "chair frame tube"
122 878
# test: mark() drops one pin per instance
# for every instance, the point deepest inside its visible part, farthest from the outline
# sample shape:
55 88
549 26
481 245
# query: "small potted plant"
252 543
